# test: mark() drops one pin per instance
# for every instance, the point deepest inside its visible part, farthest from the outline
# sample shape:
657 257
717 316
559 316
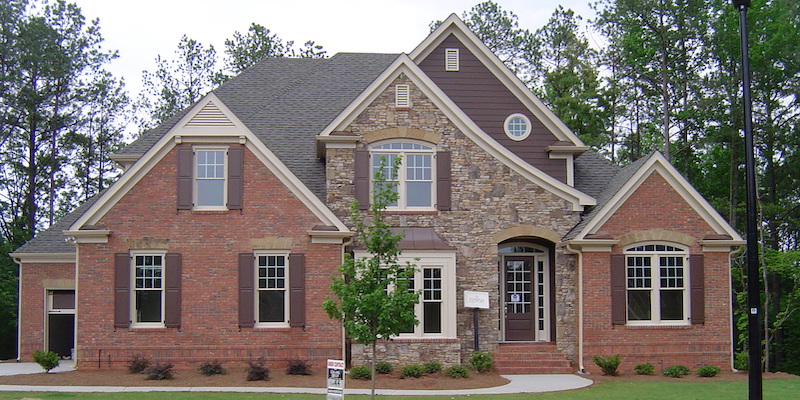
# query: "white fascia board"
239 133
453 24
658 163
465 124
43 258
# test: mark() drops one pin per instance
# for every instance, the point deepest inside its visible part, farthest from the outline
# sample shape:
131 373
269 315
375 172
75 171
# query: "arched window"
417 173
657 284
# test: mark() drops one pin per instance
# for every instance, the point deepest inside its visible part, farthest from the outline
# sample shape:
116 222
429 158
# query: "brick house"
219 240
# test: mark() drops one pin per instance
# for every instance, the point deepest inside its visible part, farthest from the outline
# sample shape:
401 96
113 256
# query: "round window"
517 126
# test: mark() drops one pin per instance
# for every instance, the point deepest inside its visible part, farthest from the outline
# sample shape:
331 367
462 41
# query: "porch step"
530 358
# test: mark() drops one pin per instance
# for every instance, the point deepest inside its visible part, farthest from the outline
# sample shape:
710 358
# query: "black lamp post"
753 295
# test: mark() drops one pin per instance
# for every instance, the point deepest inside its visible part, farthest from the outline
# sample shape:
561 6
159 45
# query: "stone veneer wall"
487 197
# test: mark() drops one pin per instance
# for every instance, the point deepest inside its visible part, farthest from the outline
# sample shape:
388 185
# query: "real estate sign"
335 380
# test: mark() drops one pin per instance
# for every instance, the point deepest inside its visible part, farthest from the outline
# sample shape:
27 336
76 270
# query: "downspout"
730 312
344 337
18 261
75 360
579 255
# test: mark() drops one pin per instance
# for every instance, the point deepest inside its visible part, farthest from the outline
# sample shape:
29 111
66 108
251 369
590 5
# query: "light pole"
753 290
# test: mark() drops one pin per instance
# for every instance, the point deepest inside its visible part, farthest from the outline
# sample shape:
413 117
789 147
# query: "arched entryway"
526 289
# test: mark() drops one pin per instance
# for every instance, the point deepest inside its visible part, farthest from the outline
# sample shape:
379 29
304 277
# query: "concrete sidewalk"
518 384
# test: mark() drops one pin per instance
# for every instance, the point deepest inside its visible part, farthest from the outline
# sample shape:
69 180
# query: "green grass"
773 389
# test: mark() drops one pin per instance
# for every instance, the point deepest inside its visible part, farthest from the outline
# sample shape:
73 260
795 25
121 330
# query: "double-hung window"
148 289
272 286
210 177
657 278
414 179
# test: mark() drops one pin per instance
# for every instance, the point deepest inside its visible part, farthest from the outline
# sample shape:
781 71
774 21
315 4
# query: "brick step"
530 358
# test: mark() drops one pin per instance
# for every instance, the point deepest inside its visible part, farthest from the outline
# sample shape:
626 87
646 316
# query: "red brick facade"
36 280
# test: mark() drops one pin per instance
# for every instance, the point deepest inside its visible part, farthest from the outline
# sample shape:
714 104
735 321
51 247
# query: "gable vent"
402 97
451 60
210 115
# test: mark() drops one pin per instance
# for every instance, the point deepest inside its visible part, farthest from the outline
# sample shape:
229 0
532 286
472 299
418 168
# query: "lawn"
773 389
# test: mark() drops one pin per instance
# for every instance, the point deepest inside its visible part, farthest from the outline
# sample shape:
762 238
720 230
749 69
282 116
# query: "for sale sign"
335 380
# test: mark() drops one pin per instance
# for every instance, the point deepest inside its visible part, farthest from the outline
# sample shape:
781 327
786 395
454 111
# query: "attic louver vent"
210 115
402 98
451 60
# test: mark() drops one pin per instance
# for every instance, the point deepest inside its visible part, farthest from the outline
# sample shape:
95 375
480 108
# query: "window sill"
411 212
403 339
142 328
273 328
665 327
210 212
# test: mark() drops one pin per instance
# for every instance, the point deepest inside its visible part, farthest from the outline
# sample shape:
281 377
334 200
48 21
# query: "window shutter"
297 290
122 283
362 179
443 184
185 161
697 294
618 290
235 178
172 296
247 313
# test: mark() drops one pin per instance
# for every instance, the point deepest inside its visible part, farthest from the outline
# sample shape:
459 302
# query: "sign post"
335 380
476 301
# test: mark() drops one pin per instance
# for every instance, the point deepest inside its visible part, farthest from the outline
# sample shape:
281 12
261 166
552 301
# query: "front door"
526 297
61 322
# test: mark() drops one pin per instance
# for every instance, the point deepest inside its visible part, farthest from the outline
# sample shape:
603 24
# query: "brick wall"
656 205
36 279
209 243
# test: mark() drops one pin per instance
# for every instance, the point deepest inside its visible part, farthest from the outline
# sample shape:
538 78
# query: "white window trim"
445 260
452 59
163 255
195 201
527 125
401 173
49 302
655 288
402 96
286 289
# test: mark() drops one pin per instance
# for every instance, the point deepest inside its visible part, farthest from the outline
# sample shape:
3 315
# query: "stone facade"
487 198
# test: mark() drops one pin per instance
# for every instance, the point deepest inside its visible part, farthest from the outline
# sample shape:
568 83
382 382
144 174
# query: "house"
220 238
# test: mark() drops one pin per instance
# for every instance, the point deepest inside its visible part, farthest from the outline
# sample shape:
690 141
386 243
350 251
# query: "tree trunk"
372 369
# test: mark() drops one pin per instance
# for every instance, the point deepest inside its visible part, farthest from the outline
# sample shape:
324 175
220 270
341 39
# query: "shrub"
457 371
298 367
47 360
741 362
209 368
384 367
361 372
432 367
159 372
481 362
257 370
609 365
707 371
412 371
644 369
676 371
138 364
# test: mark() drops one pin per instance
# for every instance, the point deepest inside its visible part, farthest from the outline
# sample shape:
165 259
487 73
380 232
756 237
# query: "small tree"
374 302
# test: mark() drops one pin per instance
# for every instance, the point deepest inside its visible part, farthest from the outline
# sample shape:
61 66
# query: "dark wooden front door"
518 298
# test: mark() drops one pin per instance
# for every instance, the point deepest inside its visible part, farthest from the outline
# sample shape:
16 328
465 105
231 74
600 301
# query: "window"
272 287
210 177
656 277
402 96
148 289
451 60
414 178
517 126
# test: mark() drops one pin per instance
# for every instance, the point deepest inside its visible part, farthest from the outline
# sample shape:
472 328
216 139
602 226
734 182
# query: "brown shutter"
185 162
697 294
618 290
122 283
172 297
235 178
362 169
247 316
443 188
297 290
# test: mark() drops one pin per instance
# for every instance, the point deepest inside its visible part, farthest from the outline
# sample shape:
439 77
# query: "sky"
143 29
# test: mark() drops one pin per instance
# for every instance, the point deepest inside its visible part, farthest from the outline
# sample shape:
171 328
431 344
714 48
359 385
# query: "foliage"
373 300
298 367
708 371
609 365
481 362
360 372
644 369
432 367
210 368
676 371
457 371
47 360
741 360
412 371
159 372
244 50
383 367
257 370
138 364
